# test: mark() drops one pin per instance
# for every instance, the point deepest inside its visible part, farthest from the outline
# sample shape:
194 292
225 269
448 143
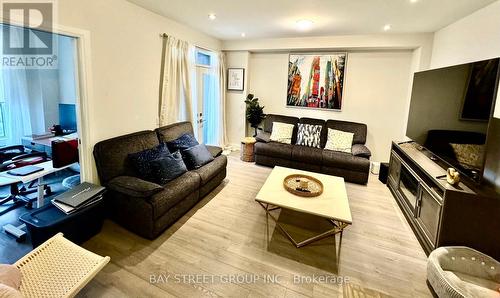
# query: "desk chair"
19 194
7 153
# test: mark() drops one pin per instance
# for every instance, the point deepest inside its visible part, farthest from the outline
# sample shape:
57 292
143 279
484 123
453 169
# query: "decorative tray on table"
303 185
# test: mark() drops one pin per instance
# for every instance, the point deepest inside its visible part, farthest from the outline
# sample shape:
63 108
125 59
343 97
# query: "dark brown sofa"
144 207
353 167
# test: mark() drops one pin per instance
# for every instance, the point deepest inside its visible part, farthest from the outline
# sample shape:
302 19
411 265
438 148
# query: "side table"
247 149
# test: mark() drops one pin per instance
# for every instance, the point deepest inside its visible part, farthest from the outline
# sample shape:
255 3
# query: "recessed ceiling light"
387 27
413 1
304 25
243 34
212 16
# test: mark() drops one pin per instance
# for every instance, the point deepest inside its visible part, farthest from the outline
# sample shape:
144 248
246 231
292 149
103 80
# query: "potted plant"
254 113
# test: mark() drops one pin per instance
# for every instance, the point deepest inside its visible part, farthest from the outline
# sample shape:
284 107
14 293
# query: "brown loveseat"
353 167
144 207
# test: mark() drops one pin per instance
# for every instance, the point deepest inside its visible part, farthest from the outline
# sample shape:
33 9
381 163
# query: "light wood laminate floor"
228 236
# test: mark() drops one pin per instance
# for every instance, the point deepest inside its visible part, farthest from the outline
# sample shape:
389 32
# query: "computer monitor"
67 116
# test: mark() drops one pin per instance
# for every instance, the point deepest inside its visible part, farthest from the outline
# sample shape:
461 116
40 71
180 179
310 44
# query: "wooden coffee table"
332 204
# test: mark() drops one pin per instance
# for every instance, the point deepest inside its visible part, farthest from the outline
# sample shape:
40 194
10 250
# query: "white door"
202 76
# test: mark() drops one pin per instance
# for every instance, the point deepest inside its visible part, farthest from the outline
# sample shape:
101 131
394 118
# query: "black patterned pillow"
309 135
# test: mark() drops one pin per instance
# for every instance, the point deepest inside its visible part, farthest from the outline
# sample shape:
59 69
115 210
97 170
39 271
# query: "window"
3 130
203 58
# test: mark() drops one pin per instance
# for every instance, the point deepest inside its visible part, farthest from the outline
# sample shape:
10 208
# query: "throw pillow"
182 143
10 276
140 160
339 141
309 135
470 156
168 168
197 156
282 133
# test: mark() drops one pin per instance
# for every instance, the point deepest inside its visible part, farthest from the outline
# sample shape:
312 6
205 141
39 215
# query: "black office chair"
19 195
7 153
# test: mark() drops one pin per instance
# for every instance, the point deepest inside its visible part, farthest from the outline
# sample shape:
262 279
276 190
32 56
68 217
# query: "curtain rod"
165 35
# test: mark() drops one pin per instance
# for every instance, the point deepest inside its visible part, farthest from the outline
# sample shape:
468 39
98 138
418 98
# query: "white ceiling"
277 18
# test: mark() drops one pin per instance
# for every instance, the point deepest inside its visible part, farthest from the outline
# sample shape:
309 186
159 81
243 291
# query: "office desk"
7 179
45 144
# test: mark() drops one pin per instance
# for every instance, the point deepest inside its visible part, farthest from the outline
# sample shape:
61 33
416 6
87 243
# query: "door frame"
85 92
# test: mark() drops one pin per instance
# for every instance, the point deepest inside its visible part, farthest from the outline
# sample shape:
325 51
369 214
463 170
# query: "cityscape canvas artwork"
316 81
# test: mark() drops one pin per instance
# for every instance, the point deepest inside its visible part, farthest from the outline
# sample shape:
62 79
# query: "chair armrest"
263 136
29 155
214 150
361 151
134 186
15 147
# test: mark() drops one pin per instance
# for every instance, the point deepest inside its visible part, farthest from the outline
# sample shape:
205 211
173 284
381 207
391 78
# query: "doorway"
208 109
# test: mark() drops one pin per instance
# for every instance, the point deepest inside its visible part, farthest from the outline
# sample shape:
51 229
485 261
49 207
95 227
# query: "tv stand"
441 214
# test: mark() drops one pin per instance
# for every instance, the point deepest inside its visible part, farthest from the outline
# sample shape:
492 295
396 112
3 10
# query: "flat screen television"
450 110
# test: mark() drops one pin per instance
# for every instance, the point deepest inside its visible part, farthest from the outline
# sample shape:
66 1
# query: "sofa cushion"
307 155
335 159
358 129
141 161
134 186
282 132
210 170
361 151
111 156
274 149
173 131
174 192
168 168
309 135
321 122
339 141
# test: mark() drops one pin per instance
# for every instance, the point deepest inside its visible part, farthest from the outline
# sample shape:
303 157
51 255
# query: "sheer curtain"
178 91
214 104
14 92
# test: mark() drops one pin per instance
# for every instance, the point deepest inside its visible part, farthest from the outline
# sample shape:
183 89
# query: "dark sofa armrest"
214 150
361 151
263 136
134 186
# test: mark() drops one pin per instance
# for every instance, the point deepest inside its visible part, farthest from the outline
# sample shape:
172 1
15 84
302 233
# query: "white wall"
421 43
126 53
235 100
375 93
475 37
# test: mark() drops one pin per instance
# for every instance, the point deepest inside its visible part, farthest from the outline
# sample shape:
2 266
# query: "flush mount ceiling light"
212 16
243 34
304 25
387 27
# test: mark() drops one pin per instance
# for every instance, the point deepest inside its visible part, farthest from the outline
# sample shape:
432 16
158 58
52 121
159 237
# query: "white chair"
58 268
459 271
